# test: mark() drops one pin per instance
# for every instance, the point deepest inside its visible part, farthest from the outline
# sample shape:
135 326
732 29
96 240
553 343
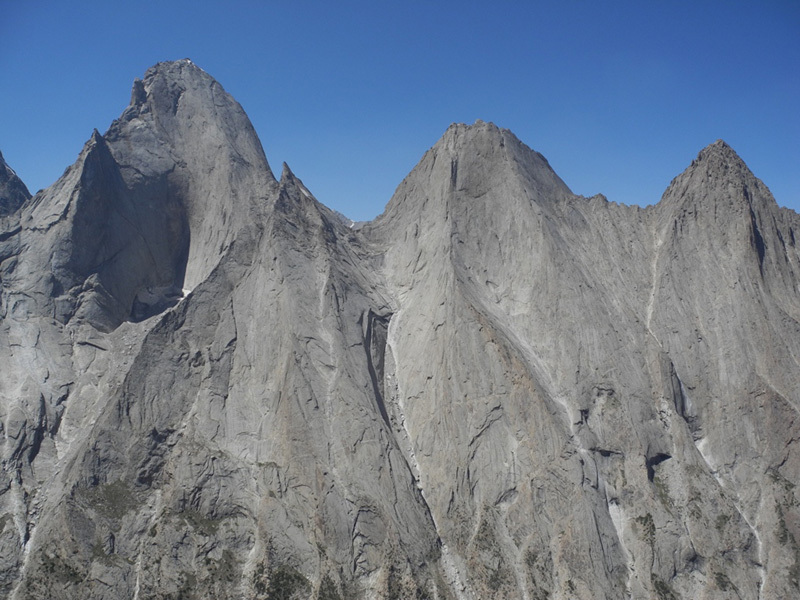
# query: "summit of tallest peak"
177 106
172 68
169 80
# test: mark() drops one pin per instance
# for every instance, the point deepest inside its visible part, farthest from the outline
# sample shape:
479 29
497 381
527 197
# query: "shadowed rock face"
13 192
213 387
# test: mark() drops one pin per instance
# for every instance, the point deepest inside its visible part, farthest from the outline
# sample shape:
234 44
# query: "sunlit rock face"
212 386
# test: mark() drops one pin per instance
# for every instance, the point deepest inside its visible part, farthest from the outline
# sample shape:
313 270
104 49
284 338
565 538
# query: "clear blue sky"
619 96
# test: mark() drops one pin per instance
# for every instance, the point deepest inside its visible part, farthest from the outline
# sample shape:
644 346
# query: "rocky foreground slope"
211 387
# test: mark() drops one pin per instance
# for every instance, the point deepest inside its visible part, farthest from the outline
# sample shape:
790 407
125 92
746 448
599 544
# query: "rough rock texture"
13 192
213 387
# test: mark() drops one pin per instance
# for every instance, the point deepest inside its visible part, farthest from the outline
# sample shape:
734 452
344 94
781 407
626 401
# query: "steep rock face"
148 208
732 294
13 192
184 133
555 377
214 387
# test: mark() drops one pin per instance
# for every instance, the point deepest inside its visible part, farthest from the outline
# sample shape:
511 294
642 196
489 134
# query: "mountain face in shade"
213 387
13 192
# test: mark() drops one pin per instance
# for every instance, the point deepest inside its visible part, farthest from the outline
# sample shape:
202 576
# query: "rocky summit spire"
486 151
471 160
718 174
719 152
183 129
151 206
185 109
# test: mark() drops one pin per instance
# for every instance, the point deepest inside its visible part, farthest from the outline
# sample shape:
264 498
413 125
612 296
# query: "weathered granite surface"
213 386
13 192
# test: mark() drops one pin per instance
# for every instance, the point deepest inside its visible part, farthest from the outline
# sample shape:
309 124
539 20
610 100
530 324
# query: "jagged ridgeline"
211 386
